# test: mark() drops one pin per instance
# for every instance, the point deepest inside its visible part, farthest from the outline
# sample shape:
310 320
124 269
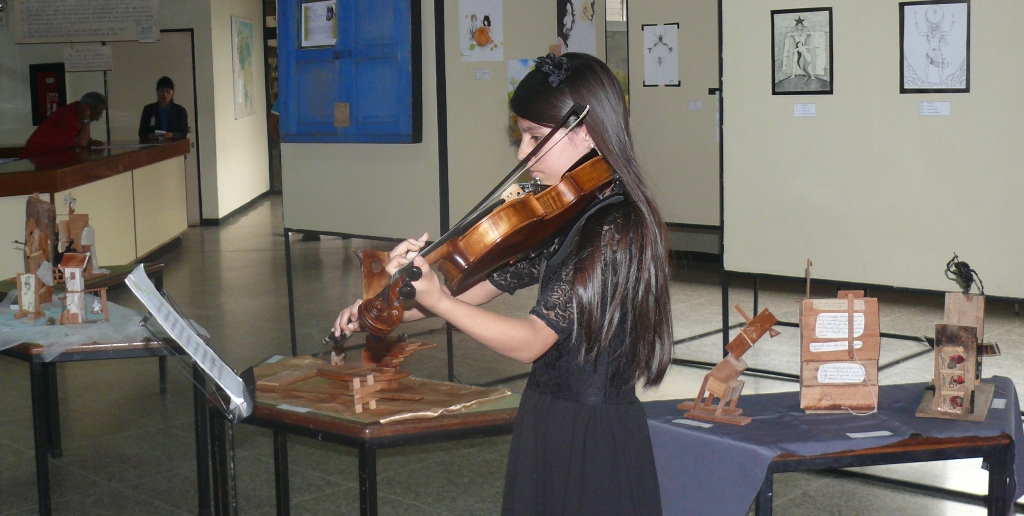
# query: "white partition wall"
867 188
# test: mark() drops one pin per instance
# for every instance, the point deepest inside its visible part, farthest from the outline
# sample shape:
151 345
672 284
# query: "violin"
497 233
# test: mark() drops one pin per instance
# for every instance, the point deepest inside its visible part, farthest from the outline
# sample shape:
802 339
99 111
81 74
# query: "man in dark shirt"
163 119
67 128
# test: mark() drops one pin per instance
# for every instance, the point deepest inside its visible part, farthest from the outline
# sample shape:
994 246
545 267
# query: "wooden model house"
73 266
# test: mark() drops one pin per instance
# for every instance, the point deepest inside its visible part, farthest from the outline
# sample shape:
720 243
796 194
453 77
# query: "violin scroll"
383 313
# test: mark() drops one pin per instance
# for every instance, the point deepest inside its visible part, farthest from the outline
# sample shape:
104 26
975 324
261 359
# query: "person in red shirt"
67 128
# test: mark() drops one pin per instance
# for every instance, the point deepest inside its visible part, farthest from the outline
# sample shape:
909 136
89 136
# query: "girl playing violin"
601 323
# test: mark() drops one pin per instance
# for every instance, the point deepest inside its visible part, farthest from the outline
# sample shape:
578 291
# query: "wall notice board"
869 189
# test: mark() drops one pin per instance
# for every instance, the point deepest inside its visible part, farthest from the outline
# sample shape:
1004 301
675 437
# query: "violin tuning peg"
407 291
414 273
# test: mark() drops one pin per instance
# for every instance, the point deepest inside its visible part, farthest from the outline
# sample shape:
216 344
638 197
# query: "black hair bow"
557 68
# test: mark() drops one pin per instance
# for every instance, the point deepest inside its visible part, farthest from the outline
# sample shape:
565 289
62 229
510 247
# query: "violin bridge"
512 192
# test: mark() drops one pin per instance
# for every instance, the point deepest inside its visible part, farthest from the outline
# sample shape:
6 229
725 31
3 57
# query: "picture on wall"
480 29
517 69
576 30
935 47
243 75
661 55
802 51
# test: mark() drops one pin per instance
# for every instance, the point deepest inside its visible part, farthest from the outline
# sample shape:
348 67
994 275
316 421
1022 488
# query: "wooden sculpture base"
728 414
983 394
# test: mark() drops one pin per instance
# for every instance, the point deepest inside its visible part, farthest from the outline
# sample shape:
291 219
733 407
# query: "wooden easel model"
723 381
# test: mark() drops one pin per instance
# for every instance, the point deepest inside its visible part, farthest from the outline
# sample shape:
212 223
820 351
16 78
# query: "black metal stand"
202 439
291 292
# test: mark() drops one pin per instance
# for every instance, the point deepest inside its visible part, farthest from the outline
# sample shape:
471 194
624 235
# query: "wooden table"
696 460
995 451
365 437
46 412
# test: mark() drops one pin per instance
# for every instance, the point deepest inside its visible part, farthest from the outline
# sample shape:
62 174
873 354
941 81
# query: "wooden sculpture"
383 355
40 217
29 304
354 386
957 390
723 382
839 347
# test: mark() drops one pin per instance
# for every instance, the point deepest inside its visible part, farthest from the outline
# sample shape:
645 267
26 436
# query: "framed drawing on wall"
802 51
935 47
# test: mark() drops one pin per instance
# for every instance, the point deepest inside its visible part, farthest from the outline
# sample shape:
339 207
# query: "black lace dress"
580 445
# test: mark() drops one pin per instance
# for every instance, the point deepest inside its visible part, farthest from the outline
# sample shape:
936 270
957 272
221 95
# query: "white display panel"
869 189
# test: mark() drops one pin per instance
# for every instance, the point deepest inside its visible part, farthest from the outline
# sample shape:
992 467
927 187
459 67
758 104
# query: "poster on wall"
576 30
319 24
802 51
661 55
242 67
935 47
92 58
73 21
480 30
517 69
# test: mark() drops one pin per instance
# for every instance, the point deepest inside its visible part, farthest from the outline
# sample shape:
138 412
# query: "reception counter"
134 196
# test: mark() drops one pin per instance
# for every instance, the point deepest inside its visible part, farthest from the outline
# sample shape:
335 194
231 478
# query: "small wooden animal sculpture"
723 381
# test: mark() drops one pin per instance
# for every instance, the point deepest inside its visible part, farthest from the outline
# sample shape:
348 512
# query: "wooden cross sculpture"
723 381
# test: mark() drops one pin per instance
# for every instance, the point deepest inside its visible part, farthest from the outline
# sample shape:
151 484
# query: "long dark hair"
621 277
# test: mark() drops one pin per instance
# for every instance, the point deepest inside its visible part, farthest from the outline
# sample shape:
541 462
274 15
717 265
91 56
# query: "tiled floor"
130 450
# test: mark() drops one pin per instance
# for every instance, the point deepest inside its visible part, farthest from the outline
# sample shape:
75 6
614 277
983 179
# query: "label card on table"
691 422
998 403
862 435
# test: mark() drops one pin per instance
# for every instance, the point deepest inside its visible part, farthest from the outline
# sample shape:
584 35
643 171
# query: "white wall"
242 162
678 148
234 163
868 189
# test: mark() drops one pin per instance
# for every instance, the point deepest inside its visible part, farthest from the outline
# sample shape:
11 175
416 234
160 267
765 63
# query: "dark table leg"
40 409
368 480
1000 499
202 440
53 410
763 502
162 364
281 473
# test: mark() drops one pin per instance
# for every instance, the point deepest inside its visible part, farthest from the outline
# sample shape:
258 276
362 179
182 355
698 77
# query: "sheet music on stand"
240 399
